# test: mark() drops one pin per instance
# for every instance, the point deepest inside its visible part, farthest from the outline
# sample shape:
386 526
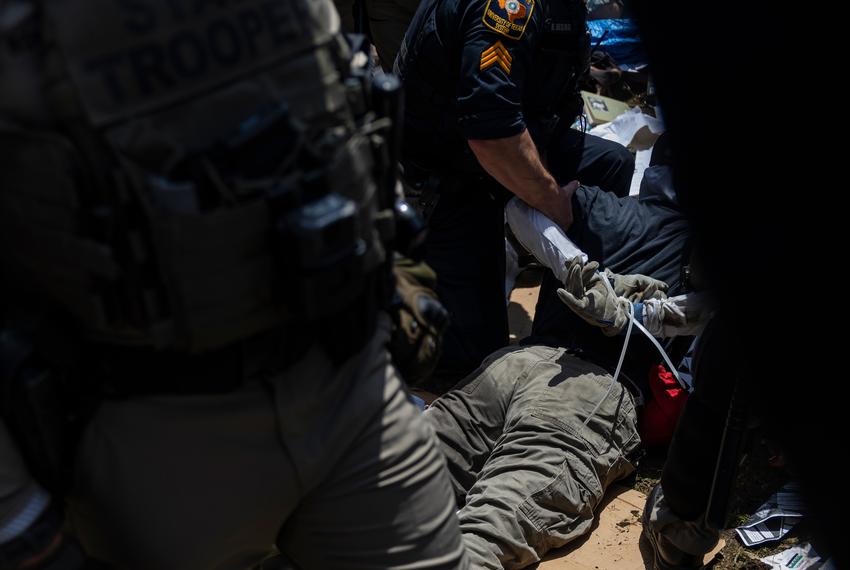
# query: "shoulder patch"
508 17
496 54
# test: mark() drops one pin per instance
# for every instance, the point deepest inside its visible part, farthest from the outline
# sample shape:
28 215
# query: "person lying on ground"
533 439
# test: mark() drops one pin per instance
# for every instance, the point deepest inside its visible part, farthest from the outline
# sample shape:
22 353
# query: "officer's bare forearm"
516 165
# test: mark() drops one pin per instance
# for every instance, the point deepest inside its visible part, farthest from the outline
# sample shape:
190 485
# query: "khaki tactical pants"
527 471
333 465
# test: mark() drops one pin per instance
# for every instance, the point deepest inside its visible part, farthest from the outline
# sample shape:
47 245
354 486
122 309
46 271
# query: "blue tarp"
621 42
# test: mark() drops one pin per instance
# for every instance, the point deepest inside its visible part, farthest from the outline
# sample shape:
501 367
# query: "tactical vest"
205 170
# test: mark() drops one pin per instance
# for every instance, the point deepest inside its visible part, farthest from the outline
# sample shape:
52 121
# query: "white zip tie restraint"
631 315
622 354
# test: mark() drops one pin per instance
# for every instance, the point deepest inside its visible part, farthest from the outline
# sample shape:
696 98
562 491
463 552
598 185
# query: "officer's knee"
622 158
619 159
621 167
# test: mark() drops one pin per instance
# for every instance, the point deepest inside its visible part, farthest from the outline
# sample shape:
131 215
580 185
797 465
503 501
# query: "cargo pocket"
611 436
563 510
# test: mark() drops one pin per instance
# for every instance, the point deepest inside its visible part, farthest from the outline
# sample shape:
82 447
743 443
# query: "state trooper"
195 255
490 93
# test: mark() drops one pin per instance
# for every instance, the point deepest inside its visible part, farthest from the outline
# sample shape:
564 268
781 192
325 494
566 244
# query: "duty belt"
125 372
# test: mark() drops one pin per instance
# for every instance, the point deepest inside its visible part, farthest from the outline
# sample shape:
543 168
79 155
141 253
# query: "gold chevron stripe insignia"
496 54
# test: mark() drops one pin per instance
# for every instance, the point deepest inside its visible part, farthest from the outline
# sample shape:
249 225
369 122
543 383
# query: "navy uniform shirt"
477 69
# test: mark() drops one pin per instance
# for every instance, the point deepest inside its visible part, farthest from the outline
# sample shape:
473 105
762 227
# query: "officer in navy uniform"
490 94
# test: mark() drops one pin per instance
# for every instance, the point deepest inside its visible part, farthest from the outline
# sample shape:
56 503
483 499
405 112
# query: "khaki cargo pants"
526 469
332 464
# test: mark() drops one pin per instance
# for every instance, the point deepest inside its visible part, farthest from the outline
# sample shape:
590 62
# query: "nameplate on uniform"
508 17
127 57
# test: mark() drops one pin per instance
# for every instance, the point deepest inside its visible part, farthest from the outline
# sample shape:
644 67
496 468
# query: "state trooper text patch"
508 17
496 54
154 54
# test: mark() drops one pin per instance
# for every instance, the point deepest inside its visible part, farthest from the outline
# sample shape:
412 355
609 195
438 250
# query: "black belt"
123 372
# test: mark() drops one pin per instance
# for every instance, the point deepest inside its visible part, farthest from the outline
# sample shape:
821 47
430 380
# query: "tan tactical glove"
418 321
636 287
604 299
589 295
